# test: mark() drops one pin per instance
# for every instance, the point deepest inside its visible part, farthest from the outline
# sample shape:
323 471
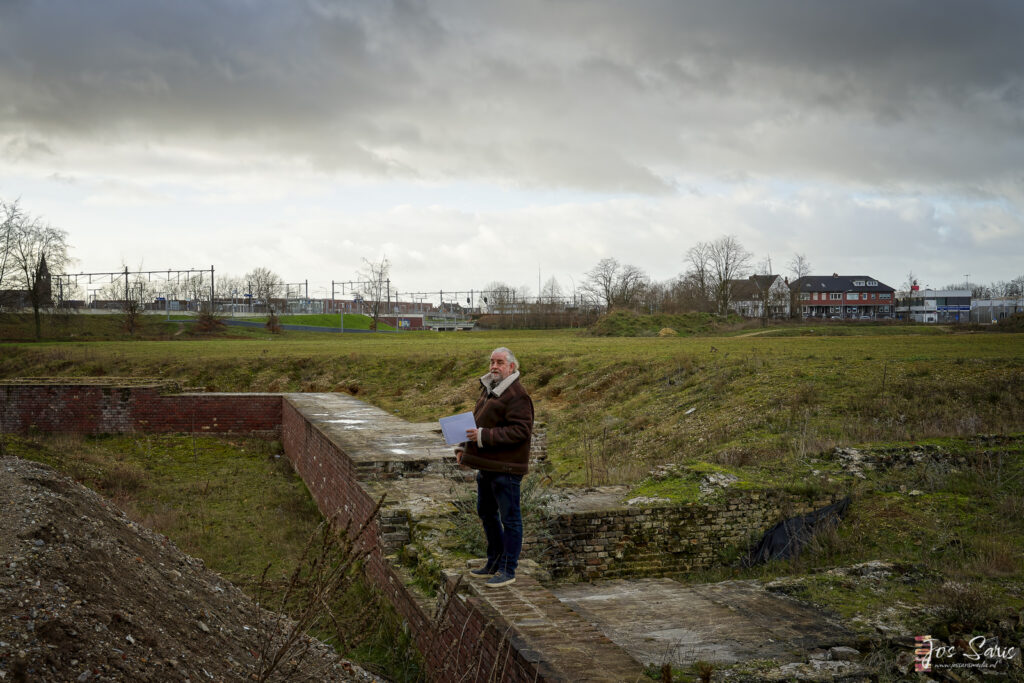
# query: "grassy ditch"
235 503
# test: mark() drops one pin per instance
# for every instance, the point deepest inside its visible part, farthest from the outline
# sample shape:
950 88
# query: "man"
499 449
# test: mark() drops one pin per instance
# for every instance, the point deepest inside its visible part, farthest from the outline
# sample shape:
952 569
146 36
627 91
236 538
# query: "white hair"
509 357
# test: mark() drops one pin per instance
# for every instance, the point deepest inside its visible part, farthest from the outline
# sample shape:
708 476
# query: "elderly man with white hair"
499 449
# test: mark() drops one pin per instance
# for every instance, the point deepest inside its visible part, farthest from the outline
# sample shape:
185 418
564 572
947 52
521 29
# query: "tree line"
31 250
708 283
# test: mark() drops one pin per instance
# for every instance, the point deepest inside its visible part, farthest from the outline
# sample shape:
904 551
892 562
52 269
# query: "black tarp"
785 539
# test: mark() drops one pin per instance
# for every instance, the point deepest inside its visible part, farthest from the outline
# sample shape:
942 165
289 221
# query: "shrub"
208 323
963 606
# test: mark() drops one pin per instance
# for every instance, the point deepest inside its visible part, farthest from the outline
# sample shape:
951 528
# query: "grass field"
614 407
66 327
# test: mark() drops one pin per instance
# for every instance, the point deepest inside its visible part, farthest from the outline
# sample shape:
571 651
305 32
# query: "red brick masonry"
111 409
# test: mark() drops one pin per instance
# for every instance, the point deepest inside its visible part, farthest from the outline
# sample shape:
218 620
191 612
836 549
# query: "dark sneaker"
481 572
485 570
500 579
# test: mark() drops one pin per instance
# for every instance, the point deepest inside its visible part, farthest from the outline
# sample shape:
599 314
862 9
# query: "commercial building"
935 305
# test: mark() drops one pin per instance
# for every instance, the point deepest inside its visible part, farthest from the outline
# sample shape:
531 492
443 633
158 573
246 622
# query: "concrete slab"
569 648
422 496
592 499
369 434
661 620
407 461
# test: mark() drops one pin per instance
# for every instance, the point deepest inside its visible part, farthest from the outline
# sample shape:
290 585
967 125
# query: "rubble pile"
88 595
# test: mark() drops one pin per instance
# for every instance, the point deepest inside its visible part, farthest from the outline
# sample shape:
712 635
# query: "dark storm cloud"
619 96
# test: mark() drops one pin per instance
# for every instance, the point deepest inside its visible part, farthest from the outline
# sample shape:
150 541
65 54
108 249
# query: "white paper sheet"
454 427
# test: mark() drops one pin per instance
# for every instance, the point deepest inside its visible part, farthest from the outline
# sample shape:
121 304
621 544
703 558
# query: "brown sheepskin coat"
505 414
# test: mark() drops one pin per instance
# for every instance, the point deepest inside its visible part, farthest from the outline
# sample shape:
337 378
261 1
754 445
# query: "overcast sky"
473 141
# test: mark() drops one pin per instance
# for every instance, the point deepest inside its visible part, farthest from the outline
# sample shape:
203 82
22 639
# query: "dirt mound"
622 323
88 595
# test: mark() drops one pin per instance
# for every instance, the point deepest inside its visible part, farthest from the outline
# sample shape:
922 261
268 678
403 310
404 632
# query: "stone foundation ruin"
350 454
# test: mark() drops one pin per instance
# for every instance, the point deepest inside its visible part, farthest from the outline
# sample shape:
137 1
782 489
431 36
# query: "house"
750 297
935 305
845 297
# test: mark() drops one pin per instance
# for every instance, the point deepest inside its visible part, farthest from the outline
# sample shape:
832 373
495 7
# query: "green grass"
235 503
854 329
18 327
76 327
616 407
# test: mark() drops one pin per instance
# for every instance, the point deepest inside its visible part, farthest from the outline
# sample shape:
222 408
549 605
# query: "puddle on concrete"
346 421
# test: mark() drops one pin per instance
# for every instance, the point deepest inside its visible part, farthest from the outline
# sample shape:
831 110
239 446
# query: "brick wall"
457 633
656 541
111 409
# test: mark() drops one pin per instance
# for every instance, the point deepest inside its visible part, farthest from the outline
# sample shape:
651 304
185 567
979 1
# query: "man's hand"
472 435
458 454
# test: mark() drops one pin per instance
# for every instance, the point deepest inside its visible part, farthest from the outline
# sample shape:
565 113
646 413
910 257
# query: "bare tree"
800 266
688 294
229 287
600 282
629 285
1015 287
376 283
729 261
265 285
133 291
196 288
551 291
698 275
10 214
34 249
613 284
498 297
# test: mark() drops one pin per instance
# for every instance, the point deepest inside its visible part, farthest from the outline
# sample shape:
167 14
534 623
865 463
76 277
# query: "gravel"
88 595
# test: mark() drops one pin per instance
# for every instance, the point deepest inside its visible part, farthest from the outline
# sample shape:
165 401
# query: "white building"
936 305
994 310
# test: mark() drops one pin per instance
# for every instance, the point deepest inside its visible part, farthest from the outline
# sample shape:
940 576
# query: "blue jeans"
497 504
